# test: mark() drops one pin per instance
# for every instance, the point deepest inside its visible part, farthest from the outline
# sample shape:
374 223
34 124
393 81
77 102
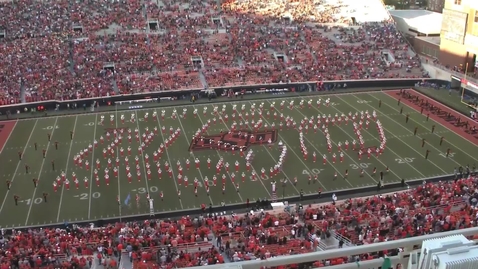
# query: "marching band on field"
117 147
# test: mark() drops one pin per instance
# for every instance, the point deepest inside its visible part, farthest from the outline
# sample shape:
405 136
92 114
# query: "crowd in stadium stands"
73 49
213 239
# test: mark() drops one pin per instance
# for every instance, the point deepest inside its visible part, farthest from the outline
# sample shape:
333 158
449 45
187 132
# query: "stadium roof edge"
422 21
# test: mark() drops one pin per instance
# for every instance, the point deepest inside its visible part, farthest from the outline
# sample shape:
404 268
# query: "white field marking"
328 161
39 173
192 153
253 169
8 137
18 165
445 128
437 166
117 156
66 171
298 157
421 138
169 159
389 148
90 183
142 153
13 120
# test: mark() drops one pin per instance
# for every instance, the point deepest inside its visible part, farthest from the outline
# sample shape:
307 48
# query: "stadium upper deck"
69 49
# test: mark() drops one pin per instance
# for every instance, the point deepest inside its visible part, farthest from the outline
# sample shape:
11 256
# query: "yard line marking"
66 171
185 137
328 162
8 137
420 137
39 173
389 148
117 156
142 154
18 165
298 157
218 154
90 183
169 159
450 130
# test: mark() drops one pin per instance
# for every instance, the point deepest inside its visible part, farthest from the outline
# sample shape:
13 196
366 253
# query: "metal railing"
339 237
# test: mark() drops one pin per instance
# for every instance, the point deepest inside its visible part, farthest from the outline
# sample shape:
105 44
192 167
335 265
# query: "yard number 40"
313 171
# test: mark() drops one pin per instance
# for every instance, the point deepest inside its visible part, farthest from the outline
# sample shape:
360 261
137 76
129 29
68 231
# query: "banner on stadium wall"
469 85
269 91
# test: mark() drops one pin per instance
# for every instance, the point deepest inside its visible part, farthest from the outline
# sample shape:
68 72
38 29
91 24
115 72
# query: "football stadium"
231 134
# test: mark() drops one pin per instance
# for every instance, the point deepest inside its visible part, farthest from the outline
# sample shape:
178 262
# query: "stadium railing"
184 247
130 101
339 237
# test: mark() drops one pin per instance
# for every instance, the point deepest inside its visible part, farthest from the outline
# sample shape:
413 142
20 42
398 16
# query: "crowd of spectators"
427 209
79 49
218 238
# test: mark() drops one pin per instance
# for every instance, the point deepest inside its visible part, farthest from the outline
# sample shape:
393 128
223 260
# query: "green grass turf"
403 155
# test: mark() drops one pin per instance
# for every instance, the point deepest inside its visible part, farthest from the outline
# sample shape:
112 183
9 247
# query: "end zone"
6 130
458 130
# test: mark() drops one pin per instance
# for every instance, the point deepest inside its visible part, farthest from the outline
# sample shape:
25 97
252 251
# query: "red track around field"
448 124
6 128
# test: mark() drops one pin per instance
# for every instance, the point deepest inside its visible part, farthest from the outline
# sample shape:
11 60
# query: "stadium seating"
186 242
388 217
105 48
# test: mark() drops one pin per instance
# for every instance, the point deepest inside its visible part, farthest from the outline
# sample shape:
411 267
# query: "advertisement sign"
470 85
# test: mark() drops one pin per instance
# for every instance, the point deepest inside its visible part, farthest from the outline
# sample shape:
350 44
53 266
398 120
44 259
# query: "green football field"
404 155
